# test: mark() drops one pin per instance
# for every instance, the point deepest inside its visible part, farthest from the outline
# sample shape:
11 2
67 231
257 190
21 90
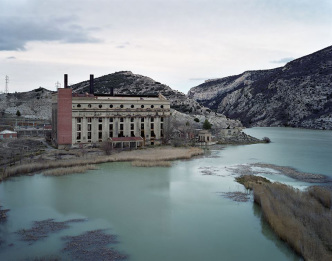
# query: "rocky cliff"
35 104
298 94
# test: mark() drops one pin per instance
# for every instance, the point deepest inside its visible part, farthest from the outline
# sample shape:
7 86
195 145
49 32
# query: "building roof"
8 132
126 139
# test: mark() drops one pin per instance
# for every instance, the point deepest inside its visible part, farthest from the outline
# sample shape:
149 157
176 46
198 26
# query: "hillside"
35 104
127 83
298 94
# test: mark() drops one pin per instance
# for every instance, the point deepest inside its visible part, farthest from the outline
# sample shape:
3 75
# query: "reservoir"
175 213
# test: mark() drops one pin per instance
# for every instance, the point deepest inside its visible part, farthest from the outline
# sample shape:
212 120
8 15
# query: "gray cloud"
283 60
16 32
11 58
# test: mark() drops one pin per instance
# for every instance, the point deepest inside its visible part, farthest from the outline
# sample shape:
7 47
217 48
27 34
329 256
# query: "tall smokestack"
65 81
112 91
91 84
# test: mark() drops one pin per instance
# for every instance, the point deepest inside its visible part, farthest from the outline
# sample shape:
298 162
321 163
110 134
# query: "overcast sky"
180 43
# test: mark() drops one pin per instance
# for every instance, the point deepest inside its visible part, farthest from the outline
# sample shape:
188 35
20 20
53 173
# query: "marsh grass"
323 195
158 163
69 170
300 218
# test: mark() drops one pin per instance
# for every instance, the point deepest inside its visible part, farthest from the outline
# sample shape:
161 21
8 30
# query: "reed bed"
158 163
299 218
148 155
69 170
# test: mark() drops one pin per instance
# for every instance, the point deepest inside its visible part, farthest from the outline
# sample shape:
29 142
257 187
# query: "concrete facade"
91 118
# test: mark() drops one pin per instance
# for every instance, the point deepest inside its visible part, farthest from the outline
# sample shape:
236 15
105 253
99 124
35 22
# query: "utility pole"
57 85
7 81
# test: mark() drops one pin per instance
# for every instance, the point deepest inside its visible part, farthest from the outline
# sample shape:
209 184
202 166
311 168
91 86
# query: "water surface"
174 213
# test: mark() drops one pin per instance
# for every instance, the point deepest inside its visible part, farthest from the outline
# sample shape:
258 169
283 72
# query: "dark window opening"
121 106
100 106
100 127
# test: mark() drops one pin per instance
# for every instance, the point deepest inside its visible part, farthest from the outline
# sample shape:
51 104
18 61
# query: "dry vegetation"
302 219
68 170
158 163
150 155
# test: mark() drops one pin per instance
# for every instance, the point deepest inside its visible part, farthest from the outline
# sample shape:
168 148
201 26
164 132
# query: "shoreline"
147 155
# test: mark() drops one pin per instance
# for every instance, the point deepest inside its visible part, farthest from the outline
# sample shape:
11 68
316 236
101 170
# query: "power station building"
123 120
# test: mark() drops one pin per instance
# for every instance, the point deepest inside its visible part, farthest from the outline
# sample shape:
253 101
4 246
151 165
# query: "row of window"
121 106
100 119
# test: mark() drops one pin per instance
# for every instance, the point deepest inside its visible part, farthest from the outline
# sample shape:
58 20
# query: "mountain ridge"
298 94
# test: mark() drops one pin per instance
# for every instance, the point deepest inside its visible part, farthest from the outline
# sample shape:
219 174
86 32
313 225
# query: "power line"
57 85
7 81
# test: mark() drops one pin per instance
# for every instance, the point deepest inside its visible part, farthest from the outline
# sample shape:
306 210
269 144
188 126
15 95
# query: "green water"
174 213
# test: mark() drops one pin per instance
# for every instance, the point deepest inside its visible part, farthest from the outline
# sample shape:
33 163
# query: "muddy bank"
42 229
236 196
93 245
3 214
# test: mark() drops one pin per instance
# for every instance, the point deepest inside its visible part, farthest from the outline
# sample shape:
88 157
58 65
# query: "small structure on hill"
7 134
204 136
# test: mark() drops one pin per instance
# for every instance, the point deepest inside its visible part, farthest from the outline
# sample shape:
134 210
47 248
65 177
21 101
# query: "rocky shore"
238 139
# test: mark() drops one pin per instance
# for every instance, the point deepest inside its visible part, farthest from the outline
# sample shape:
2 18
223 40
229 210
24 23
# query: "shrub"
207 125
266 139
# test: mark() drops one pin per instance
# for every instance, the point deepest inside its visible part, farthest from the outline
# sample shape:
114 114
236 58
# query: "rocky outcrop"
298 94
35 104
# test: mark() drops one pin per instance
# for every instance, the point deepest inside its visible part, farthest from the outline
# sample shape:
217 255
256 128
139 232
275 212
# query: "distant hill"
298 94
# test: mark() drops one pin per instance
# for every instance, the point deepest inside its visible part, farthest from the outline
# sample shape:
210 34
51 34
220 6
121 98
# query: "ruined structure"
124 120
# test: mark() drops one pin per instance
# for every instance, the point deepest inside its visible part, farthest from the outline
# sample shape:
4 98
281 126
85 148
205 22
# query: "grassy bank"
149 155
302 219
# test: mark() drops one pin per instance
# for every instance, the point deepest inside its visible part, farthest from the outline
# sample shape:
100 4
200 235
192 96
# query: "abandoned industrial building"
123 120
